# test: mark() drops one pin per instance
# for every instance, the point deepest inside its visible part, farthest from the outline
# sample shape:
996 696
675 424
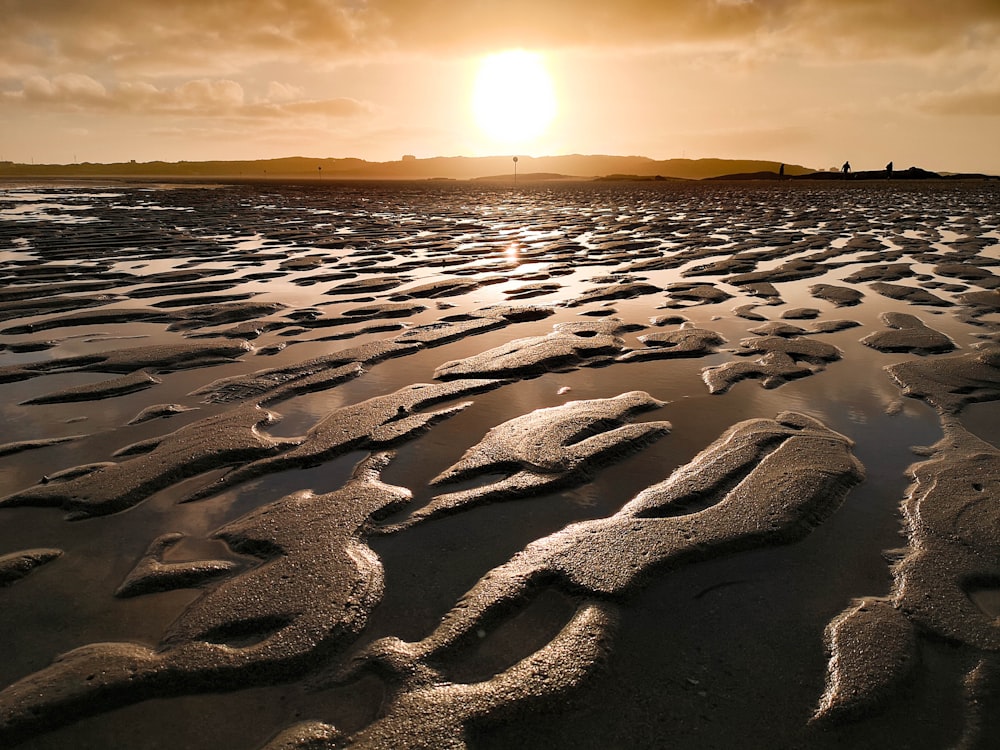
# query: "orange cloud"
977 101
888 29
75 92
161 37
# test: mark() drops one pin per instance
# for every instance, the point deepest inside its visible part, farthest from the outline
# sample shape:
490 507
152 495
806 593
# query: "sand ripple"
521 352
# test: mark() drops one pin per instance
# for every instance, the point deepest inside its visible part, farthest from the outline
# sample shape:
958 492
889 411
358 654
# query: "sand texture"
457 465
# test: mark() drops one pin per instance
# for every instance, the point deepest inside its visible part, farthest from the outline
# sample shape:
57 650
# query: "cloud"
171 37
75 92
822 28
978 96
71 87
283 92
176 37
978 101
892 29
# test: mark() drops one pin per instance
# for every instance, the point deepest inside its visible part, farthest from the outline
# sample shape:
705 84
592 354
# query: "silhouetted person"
781 171
846 169
888 170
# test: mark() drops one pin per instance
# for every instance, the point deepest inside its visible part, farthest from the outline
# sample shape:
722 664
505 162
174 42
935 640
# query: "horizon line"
742 168
407 158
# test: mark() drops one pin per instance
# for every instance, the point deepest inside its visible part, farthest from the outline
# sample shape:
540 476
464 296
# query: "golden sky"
811 82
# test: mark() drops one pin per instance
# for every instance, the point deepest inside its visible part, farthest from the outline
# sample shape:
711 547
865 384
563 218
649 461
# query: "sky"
810 82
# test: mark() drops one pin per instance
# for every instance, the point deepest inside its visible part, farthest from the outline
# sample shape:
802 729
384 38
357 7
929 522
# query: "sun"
513 99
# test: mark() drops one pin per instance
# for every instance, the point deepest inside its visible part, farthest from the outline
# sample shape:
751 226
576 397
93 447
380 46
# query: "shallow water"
719 652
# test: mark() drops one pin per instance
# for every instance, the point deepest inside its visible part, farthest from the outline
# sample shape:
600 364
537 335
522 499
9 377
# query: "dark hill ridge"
408 168
913 173
490 168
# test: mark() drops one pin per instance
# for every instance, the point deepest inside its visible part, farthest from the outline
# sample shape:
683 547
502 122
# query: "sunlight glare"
513 99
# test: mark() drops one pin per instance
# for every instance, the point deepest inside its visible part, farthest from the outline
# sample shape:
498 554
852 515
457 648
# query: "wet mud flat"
455 465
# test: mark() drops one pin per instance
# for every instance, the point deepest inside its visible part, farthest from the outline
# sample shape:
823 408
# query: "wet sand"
599 465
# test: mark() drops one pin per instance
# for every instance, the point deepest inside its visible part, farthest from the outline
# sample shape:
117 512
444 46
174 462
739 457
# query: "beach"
451 464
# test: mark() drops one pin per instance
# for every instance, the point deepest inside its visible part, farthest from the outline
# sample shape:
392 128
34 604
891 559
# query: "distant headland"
485 168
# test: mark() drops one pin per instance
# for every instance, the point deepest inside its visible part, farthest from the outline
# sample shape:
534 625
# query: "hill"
407 168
